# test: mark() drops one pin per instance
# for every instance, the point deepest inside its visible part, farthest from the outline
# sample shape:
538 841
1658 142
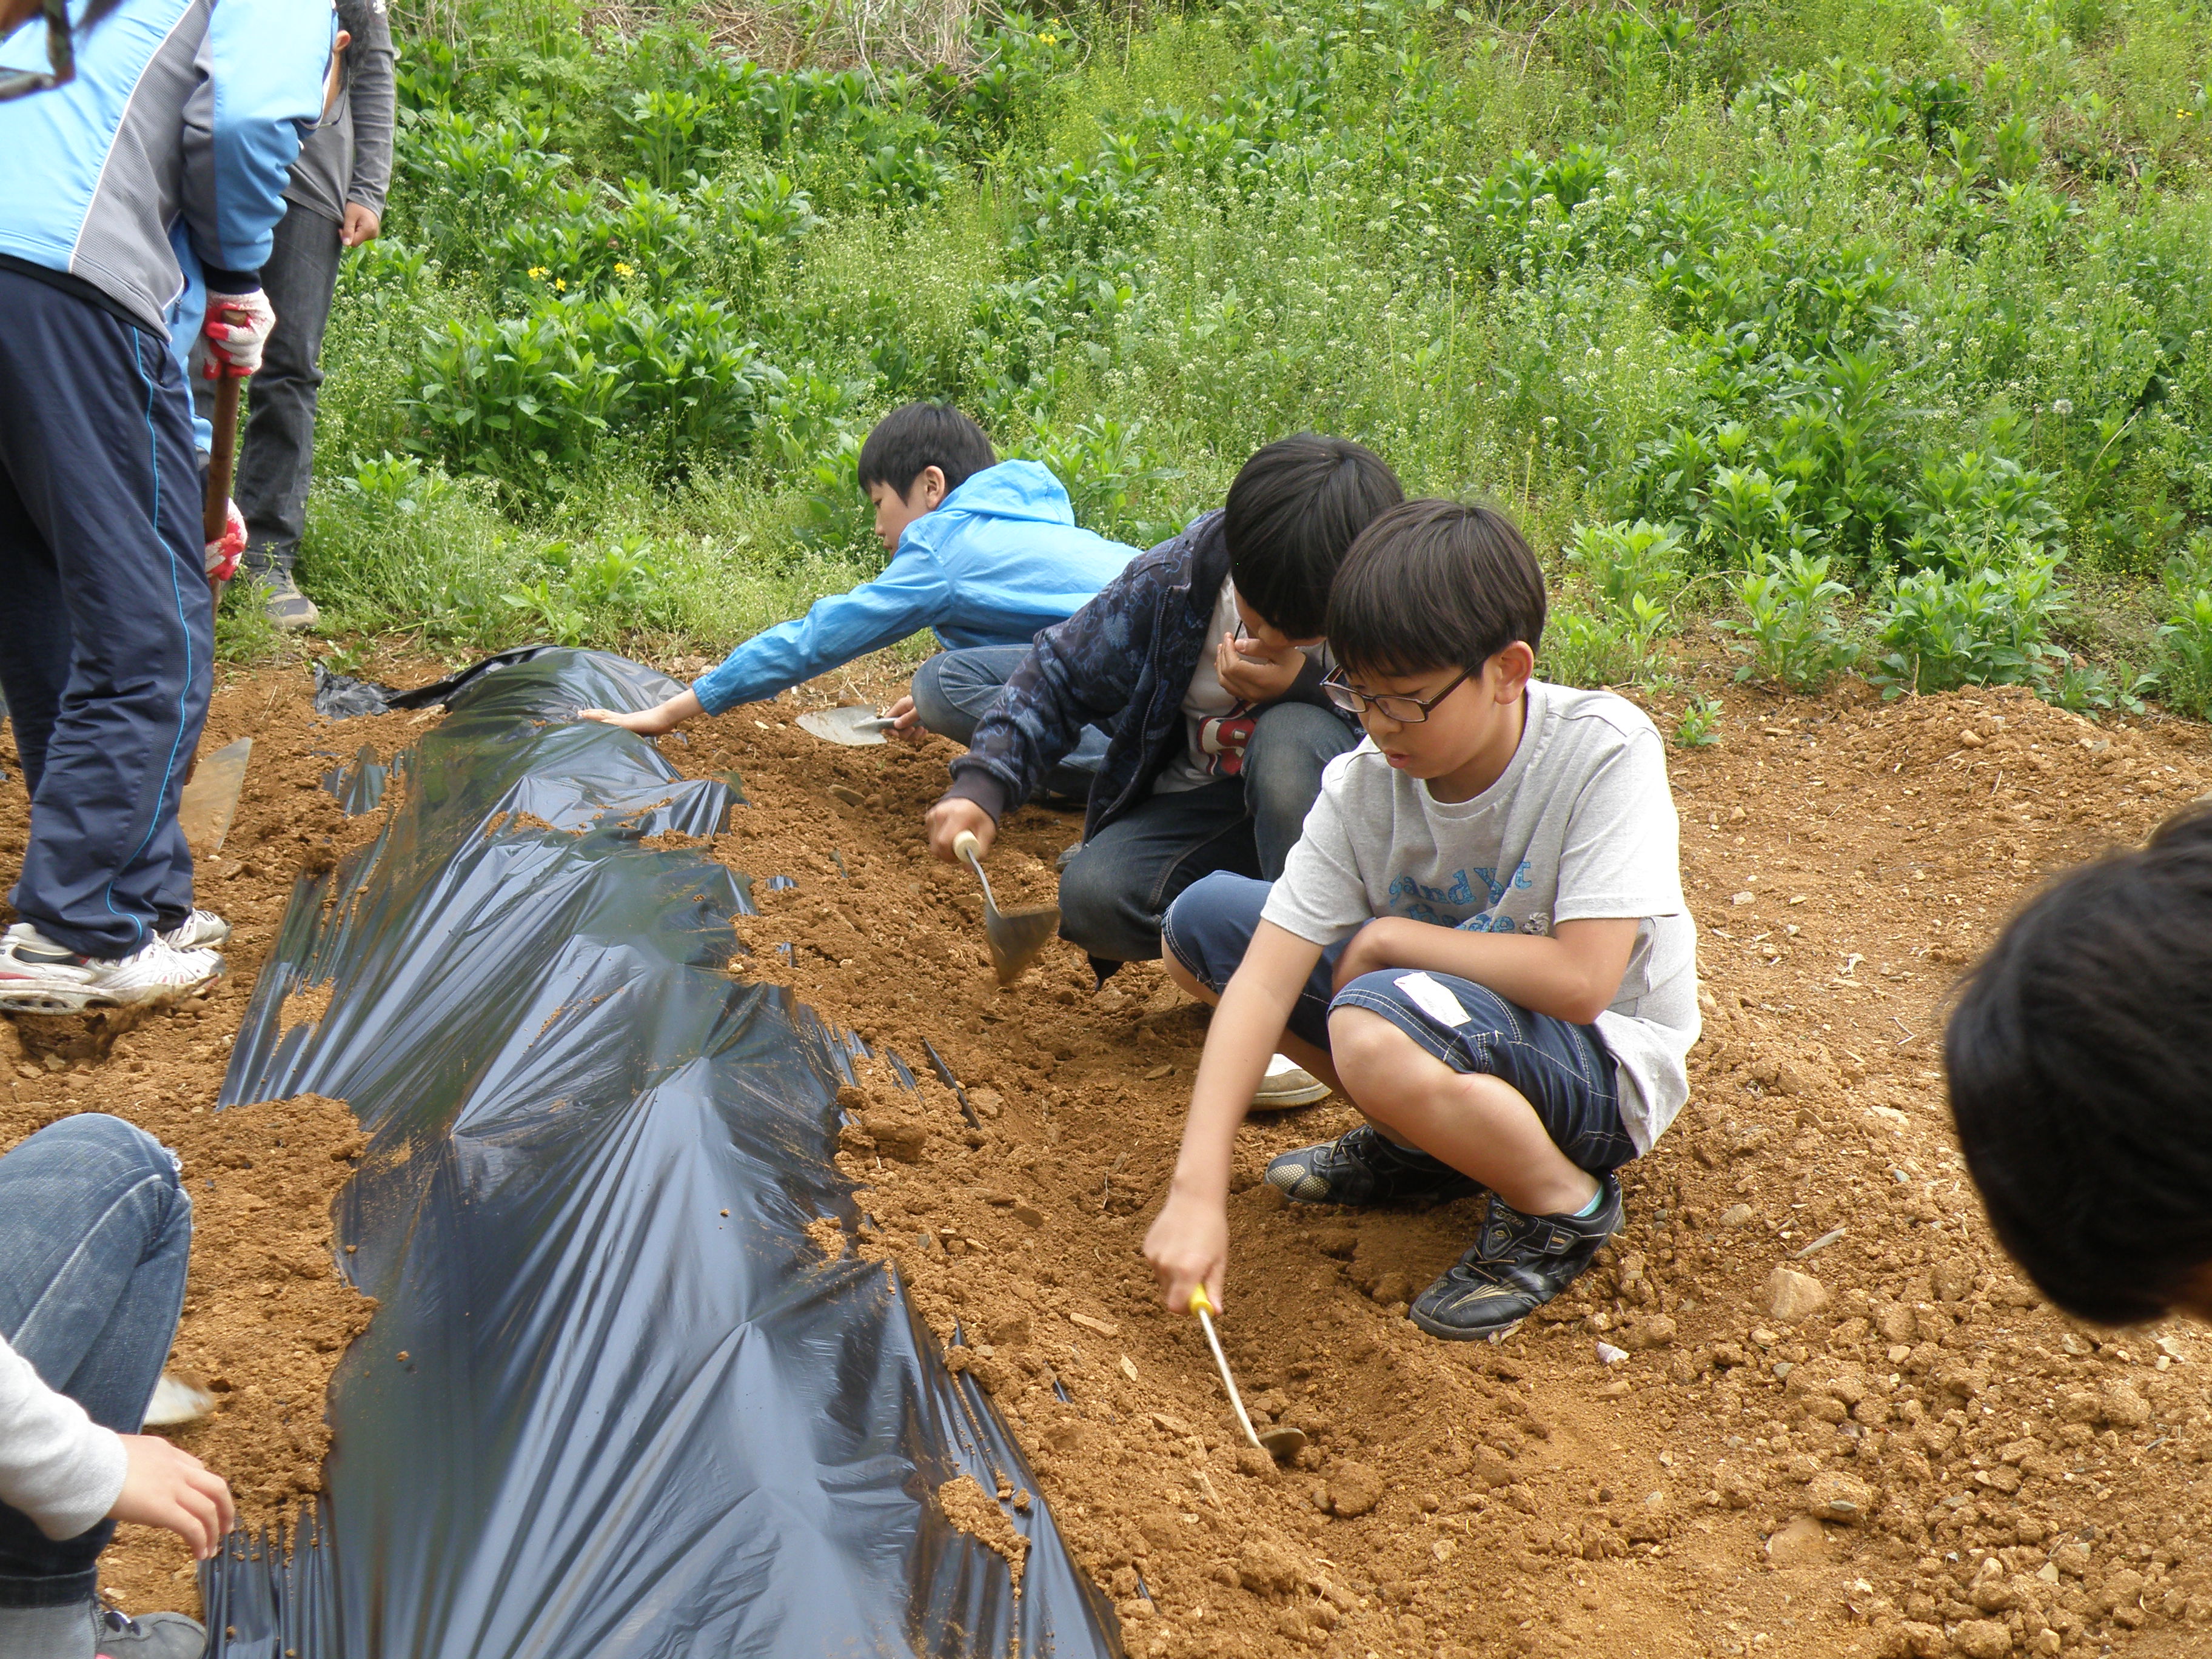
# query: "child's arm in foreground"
1188 1241
1573 974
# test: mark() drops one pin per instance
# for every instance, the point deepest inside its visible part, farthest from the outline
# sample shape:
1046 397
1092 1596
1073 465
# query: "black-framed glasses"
61 53
1396 707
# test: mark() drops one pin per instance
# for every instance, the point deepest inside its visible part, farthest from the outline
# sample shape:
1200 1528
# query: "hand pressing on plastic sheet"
165 1487
662 717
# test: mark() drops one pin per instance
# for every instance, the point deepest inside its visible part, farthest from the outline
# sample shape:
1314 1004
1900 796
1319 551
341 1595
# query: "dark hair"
1435 585
1294 513
2080 1064
918 435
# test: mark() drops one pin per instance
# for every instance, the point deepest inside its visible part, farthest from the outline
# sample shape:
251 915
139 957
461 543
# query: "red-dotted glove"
222 557
237 327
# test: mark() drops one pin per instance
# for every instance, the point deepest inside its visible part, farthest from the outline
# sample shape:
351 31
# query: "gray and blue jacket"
161 167
1124 663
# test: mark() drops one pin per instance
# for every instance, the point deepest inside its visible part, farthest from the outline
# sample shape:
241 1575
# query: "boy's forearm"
1574 978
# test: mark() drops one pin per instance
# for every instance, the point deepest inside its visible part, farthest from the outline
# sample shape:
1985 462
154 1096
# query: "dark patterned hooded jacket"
1124 662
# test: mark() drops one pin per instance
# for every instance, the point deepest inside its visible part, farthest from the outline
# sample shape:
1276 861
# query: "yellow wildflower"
561 285
537 273
621 269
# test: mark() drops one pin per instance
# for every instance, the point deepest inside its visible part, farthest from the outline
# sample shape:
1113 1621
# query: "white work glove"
222 557
237 327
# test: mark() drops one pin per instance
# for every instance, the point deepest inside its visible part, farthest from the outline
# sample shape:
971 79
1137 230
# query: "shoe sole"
1459 1333
1266 1101
90 1000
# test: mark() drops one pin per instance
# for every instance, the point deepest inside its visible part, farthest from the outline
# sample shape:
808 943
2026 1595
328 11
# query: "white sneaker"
203 930
38 976
1287 1084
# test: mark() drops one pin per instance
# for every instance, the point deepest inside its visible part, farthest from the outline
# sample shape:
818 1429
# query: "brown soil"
266 1314
976 1512
1919 1458
1929 1461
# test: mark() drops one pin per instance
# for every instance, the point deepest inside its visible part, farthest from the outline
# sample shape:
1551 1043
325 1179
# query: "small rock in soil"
1792 1296
1353 1489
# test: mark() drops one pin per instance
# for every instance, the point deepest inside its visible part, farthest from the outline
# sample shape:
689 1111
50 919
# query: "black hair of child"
916 436
1292 513
1434 584
2079 1067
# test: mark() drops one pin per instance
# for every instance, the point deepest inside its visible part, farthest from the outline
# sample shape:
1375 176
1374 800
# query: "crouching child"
1480 939
2078 1061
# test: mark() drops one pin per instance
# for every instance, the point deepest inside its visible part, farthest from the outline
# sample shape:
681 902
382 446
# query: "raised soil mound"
1886 1445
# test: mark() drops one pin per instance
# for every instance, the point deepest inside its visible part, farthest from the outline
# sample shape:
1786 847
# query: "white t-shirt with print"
1581 825
1215 723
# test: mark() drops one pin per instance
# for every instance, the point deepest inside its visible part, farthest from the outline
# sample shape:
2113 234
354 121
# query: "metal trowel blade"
211 797
1016 939
852 725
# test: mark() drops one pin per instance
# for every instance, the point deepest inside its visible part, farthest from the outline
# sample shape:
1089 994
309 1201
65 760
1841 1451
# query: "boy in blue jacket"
984 551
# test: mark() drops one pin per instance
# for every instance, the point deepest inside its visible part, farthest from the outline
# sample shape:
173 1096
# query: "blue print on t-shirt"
1455 906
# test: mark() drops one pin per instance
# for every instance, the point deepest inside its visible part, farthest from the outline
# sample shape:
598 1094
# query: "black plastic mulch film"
638 1415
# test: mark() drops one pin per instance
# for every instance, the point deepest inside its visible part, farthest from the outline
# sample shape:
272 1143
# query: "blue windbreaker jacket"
1001 557
168 156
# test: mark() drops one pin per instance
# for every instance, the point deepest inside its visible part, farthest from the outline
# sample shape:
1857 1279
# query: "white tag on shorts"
1432 999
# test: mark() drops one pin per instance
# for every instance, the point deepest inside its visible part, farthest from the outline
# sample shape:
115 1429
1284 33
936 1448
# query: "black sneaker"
1517 1264
1361 1167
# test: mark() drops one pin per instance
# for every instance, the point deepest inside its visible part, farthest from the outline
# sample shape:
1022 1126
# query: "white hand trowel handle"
964 844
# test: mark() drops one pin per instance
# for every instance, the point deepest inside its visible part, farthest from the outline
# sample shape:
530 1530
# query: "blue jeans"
94 1228
954 689
1115 892
1563 1070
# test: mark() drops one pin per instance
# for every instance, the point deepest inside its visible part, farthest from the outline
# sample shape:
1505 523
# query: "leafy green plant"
546 614
1622 559
1792 633
1698 725
1989 626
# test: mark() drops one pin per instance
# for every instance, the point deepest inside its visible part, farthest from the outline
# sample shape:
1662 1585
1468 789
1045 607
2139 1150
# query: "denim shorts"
1563 1070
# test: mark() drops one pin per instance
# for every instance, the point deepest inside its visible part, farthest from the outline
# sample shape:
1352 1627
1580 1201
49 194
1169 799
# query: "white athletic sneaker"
1287 1084
203 930
38 976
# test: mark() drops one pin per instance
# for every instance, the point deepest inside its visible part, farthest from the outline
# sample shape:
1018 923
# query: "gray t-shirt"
348 158
1581 825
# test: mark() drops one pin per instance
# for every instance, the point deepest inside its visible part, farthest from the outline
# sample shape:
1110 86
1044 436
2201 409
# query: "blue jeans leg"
1209 928
1115 891
95 1228
954 689
1290 747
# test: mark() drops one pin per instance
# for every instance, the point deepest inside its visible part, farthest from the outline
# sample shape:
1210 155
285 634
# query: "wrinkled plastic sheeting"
342 697
614 1402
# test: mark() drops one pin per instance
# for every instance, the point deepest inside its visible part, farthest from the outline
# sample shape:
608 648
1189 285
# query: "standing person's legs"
277 456
95 1228
1290 747
1117 887
954 689
99 558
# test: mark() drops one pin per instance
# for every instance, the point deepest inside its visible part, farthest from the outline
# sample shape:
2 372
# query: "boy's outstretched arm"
649 722
1188 1244
1573 974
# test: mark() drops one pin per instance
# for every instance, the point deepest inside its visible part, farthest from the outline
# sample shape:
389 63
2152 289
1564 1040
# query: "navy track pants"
106 622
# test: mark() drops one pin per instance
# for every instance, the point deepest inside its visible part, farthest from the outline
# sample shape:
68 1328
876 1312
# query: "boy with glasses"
1480 939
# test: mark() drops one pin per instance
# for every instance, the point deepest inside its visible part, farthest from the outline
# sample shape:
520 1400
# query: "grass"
1913 288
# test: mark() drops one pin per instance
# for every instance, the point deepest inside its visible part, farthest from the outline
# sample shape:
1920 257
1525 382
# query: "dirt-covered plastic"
615 1402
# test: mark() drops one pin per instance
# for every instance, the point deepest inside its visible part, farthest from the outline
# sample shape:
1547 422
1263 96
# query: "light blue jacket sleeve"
909 596
262 68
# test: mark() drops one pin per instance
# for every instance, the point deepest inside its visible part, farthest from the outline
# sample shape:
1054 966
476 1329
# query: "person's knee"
1372 1056
1290 747
1094 910
101 1152
935 710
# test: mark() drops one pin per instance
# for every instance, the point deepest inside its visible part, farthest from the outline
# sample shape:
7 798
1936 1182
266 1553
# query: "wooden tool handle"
965 846
215 516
